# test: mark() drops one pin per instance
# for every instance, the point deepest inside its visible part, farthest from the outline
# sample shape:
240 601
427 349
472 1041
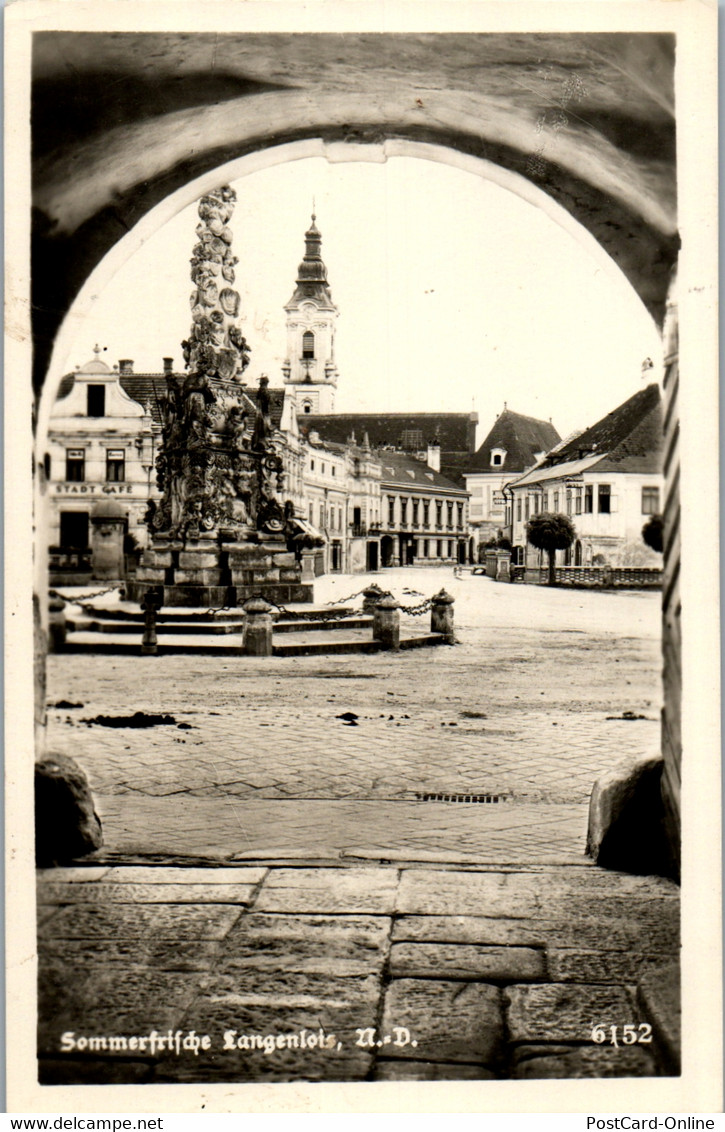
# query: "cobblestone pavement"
259 760
409 973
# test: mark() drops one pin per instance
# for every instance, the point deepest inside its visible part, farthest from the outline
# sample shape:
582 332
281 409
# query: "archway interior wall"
267 157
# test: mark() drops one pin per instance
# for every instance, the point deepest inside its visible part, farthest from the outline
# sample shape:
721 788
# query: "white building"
608 480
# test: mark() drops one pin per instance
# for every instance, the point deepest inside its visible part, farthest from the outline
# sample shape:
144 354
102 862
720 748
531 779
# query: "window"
308 345
307 407
75 465
650 500
115 465
527 507
439 548
605 498
545 501
403 509
496 458
332 469
425 547
322 469
96 404
439 515
74 529
391 510
415 512
536 505
450 549
460 515
450 514
578 501
518 509
312 516
568 501
588 499
322 515
312 465
426 513
556 501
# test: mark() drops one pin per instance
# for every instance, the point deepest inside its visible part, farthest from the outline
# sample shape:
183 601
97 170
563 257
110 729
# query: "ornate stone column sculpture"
218 531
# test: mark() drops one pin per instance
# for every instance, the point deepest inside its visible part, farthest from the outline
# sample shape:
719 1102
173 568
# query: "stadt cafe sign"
94 489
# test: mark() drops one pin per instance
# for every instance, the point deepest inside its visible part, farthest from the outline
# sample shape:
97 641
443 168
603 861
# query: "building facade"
424 515
102 446
514 444
608 480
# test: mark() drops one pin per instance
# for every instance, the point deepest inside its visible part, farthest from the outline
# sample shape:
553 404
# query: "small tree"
652 533
550 532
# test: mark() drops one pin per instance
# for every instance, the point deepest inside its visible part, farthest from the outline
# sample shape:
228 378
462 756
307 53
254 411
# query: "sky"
453 292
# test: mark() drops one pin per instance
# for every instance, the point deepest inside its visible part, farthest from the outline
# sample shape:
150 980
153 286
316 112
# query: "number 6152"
627 1035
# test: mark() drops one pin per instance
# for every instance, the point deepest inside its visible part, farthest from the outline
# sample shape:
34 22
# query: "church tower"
310 373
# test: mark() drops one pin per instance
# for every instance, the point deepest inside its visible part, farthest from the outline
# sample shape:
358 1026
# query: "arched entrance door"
387 550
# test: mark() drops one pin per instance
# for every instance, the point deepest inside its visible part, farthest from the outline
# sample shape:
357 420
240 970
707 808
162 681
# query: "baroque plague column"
219 532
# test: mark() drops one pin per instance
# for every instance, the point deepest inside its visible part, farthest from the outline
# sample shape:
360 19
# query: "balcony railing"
358 530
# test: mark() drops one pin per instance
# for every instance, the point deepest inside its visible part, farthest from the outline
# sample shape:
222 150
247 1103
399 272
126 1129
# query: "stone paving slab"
121 921
535 1063
561 1012
137 874
459 961
151 893
447 1021
328 890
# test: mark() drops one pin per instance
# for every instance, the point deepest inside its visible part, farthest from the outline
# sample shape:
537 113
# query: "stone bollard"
57 629
386 622
371 597
257 636
308 566
441 616
66 823
150 605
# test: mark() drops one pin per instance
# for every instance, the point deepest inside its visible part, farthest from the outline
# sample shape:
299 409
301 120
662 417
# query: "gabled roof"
630 437
406 431
405 472
520 437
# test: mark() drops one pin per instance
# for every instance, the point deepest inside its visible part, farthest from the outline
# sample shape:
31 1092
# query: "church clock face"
309 310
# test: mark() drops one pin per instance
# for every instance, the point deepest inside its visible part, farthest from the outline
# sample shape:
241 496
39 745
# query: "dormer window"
308 345
498 455
307 407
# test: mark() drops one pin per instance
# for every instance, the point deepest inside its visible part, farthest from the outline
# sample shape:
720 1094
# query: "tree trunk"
552 567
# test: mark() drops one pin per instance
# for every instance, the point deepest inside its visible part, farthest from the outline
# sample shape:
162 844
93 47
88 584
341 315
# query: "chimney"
125 365
168 365
434 455
472 422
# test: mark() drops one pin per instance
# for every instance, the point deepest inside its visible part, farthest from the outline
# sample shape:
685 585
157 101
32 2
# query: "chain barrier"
76 599
417 610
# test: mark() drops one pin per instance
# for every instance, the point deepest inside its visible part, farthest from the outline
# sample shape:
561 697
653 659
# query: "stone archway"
127 125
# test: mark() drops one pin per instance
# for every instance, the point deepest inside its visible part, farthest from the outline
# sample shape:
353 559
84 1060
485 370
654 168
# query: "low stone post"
371 597
308 566
150 605
257 635
386 622
441 616
57 628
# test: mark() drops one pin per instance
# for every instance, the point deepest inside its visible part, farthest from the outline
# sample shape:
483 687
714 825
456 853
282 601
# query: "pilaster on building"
310 372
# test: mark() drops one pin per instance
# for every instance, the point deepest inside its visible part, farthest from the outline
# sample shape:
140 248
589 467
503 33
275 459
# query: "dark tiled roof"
276 401
407 472
405 431
629 438
521 438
